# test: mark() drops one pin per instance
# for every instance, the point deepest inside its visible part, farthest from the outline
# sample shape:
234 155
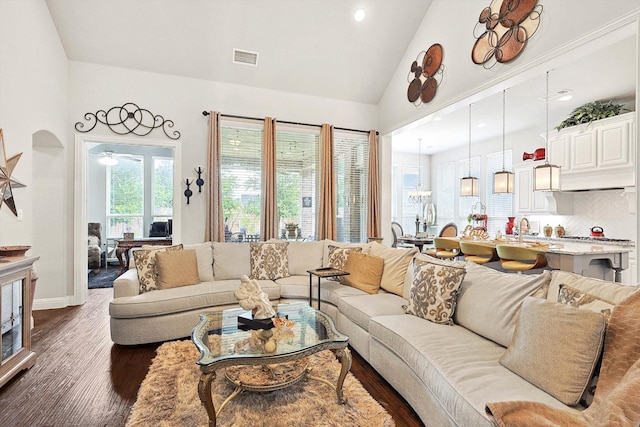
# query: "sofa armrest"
126 285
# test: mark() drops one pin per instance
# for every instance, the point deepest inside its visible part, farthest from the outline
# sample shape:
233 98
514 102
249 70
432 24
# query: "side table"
320 273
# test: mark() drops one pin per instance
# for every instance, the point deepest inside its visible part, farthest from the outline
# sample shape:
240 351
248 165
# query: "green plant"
591 111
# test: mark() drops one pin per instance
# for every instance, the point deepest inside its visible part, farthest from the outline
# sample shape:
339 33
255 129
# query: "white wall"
33 112
93 87
451 23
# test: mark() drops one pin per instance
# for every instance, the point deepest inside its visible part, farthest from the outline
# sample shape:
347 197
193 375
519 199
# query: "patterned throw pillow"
269 261
145 260
338 259
434 291
580 299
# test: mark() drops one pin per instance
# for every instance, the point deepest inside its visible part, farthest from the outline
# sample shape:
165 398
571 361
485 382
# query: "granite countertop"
556 240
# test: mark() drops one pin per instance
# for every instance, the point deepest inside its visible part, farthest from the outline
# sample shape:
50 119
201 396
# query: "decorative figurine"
251 297
199 181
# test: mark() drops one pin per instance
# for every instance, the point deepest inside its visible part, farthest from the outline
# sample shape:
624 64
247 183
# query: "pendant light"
419 197
503 181
469 184
547 176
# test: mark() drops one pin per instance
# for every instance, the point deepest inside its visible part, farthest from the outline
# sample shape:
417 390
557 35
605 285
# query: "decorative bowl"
18 250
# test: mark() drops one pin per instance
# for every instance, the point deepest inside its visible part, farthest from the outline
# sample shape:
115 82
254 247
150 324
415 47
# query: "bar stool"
478 252
446 248
520 258
449 230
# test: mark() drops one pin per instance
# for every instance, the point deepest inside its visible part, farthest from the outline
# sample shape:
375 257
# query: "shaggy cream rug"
168 396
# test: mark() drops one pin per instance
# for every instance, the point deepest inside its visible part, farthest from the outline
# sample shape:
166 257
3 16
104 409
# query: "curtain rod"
206 113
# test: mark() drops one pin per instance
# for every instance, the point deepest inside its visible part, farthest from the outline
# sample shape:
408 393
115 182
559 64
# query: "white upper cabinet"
528 201
598 155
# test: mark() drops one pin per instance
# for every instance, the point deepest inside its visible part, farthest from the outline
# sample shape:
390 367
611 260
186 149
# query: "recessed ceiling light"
359 15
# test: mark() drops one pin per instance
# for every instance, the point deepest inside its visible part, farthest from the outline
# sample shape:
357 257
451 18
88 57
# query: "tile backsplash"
606 208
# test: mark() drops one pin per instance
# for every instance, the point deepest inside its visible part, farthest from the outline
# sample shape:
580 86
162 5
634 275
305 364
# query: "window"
162 189
499 206
241 157
351 169
446 195
298 157
405 179
125 197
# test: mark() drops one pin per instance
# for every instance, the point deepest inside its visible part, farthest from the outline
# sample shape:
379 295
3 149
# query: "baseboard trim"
51 303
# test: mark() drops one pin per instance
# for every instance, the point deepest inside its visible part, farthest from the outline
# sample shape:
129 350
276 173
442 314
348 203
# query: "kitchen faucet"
524 228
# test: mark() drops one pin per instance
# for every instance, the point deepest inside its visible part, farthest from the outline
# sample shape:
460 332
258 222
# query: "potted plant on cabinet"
592 111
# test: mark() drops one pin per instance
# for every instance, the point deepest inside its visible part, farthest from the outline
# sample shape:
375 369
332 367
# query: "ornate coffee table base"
204 385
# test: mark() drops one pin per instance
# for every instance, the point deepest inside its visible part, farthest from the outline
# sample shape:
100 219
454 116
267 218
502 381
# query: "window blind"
241 154
351 169
446 195
499 206
125 197
298 157
162 189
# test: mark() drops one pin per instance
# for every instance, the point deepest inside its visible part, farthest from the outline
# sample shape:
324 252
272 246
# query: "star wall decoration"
6 182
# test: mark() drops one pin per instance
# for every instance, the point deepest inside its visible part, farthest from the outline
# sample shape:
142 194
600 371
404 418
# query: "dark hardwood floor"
82 379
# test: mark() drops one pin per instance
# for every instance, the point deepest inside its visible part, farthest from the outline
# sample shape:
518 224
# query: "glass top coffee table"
300 332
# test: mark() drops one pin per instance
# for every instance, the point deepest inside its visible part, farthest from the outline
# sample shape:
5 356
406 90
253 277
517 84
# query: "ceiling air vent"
245 57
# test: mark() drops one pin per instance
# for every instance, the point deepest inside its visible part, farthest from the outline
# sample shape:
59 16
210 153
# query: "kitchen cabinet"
528 201
596 155
15 313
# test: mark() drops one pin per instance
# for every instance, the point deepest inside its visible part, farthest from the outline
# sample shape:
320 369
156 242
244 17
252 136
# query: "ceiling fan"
110 158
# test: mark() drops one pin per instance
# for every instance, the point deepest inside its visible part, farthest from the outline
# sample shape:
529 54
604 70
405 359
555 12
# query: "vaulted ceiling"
312 47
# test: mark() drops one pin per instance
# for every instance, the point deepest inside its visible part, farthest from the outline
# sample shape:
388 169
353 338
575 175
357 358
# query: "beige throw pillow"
269 261
579 299
556 348
145 260
177 268
396 263
365 272
434 291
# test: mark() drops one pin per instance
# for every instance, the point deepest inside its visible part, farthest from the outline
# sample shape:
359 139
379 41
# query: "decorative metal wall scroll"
506 30
425 75
129 118
199 181
6 182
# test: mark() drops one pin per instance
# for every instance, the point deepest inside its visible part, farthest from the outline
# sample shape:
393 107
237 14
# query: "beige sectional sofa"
446 372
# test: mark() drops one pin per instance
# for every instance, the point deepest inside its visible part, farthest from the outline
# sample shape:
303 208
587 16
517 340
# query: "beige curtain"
327 207
269 216
373 208
214 221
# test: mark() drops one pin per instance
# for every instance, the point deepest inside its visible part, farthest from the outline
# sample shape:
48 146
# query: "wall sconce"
188 193
199 181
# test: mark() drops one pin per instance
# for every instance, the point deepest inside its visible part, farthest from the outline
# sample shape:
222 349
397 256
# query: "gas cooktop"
598 239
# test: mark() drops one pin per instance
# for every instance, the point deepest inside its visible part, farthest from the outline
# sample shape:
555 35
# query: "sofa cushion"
365 272
434 291
304 256
187 298
556 347
361 308
408 278
612 292
396 263
297 287
489 300
269 260
458 367
230 260
204 254
145 261
177 268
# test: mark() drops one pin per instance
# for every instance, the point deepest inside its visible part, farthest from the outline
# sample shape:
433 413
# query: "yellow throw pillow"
177 268
365 272
145 260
